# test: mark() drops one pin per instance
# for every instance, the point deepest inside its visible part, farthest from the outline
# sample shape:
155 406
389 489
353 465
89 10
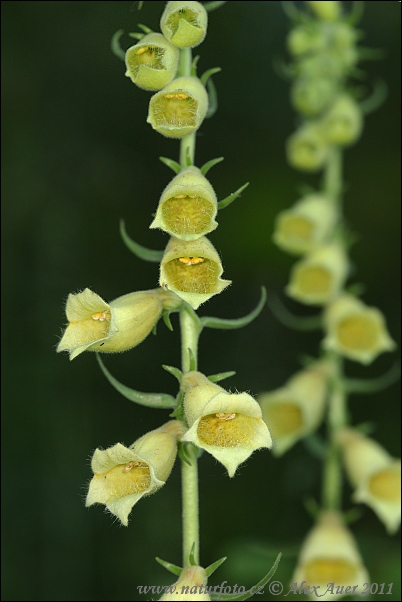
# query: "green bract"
187 207
192 270
178 109
153 62
184 23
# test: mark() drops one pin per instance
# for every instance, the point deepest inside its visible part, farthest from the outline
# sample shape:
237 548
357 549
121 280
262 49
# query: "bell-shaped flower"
343 123
297 409
356 331
307 149
191 585
187 207
320 276
95 325
228 426
375 475
306 225
330 561
152 63
123 475
192 270
184 23
178 109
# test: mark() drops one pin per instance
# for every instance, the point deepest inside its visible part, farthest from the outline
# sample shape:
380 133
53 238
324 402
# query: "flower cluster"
323 46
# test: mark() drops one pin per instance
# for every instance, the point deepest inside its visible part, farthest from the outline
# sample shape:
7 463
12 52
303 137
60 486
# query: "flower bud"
123 475
343 123
375 475
312 95
192 270
297 409
228 426
178 109
307 149
306 225
187 207
326 11
356 331
191 585
153 62
95 325
329 558
320 276
184 23
305 39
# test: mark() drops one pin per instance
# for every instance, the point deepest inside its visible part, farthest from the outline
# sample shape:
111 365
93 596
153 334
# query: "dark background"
77 156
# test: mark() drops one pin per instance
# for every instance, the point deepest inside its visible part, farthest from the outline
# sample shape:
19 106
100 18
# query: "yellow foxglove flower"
343 123
356 331
375 475
123 475
228 426
184 23
329 559
320 276
192 270
307 149
153 62
327 10
306 225
297 409
178 109
95 325
191 585
187 207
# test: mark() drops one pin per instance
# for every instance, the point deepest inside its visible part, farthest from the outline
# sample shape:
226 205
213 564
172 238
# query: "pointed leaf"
213 5
215 378
229 199
210 322
193 561
140 4
214 566
139 250
207 166
174 371
166 318
189 160
373 385
176 167
207 74
193 360
253 590
172 568
115 45
290 320
212 98
137 36
145 28
182 452
352 515
151 400
376 99
193 70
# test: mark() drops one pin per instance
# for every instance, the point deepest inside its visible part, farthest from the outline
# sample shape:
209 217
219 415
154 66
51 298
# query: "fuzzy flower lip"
184 23
152 63
374 474
123 475
187 207
355 330
330 555
228 426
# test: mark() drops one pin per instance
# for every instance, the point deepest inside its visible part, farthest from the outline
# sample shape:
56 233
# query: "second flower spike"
228 426
192 270
187 207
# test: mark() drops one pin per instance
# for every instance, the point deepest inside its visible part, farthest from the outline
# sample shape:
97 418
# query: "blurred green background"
78 156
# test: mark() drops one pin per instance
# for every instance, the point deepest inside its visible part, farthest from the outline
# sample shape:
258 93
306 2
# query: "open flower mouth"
192 275
297 227
175 109
313 280
129 479
227 429
187 214
330 570
184 14
147 56
283 419
386 485
358 332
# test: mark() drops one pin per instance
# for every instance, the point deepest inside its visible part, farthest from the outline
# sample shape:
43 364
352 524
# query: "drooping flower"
228 426
95 325
123 475
152 63
184 23
191 585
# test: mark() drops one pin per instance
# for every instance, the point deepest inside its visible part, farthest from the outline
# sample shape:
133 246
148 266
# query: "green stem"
187 144
190 331
333 175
